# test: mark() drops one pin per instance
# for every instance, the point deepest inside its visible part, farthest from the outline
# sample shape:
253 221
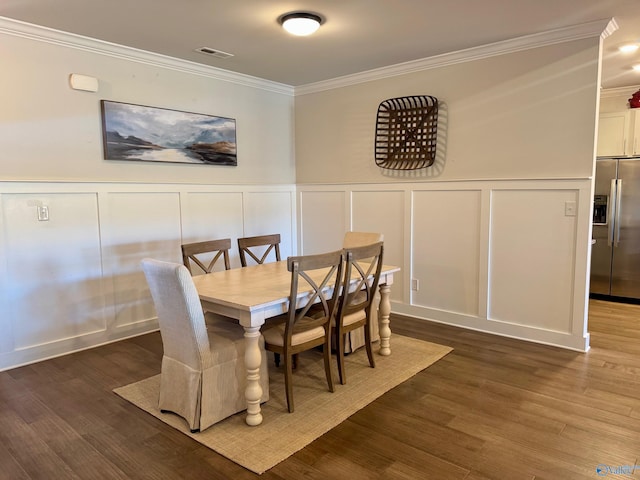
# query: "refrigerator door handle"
610 214
617 220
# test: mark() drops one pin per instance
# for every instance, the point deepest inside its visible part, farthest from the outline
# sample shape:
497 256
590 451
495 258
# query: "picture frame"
133 132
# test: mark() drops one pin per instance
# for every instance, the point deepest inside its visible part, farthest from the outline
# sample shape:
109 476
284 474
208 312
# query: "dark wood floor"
494 408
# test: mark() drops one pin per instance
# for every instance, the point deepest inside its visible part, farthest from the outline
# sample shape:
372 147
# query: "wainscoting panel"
376 211
503 256
267 212
74 281
138 225
446 250
323 220
53 285
213 215
507 257
532 257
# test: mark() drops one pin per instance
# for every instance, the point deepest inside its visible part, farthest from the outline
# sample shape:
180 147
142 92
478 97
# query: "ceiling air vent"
213 52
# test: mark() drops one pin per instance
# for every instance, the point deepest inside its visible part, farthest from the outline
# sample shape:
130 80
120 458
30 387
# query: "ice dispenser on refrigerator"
600 203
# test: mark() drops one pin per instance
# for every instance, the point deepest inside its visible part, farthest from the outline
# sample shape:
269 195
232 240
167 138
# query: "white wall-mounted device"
83 82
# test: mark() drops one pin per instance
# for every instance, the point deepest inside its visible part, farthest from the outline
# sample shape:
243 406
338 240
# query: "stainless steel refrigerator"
615 257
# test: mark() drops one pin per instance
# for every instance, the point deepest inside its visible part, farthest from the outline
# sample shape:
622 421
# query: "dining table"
255 293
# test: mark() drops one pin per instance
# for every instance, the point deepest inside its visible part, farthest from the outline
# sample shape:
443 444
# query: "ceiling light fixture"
300 23
628 48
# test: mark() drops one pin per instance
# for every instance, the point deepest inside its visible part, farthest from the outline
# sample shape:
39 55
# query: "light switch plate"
570 209
43 213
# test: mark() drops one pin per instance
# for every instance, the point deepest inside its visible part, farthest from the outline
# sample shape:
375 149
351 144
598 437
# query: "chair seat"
351 318
275 335
226 340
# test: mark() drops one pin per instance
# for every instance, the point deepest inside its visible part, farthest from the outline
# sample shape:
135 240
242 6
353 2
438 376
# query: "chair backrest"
247 246
195 253
180 316
361 276
358 239
321 275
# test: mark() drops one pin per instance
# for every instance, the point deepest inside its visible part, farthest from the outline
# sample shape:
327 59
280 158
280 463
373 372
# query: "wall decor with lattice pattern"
406 132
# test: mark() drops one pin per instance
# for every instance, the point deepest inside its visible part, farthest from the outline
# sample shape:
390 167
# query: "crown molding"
596 28
39 33
618 91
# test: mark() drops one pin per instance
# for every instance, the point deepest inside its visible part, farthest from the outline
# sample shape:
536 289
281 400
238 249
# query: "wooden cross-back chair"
303 327
192 254
249 246
363 266
355 338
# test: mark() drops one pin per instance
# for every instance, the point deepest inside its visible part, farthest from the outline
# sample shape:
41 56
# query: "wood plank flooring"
495 408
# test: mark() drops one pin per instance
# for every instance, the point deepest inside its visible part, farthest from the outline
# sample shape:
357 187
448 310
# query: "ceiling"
357 35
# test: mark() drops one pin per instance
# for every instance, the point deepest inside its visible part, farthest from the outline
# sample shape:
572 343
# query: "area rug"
317 410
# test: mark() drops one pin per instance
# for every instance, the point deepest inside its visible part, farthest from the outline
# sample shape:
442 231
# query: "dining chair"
205 256
252 247
356 339
203 374
361 276
302 328
194 253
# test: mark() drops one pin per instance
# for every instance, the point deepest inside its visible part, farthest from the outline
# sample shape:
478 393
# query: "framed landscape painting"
150 134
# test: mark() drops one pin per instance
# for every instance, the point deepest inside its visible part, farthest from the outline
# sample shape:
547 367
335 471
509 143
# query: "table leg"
383 320
252 361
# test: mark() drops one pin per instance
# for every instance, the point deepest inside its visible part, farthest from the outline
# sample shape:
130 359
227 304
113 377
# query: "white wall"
529 114
481 253
75 281
484 231
52 132
516 131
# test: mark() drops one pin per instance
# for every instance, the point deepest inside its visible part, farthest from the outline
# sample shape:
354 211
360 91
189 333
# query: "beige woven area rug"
317 410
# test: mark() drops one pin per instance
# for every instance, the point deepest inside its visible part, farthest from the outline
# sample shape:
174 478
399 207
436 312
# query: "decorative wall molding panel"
72 280
500 256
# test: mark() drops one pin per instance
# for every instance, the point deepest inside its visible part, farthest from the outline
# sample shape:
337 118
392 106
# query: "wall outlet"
415 284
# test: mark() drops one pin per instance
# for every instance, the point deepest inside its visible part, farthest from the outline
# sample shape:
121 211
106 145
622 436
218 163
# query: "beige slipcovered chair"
304 328
203 375
251 246
356 338
361 276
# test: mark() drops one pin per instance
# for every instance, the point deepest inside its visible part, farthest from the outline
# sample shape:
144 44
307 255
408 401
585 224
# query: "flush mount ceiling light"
300 23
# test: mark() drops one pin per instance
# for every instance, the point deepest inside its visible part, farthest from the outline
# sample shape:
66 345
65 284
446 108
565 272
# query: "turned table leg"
252 360
383 320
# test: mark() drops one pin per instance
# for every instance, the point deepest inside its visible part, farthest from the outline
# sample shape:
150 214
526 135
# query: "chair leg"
327 364
340 354
288 380
367 340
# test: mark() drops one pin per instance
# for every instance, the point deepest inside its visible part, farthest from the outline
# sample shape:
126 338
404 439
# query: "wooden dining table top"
258 286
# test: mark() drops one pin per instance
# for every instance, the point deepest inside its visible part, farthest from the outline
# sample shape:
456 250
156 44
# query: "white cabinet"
613 129
619 133
634 140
